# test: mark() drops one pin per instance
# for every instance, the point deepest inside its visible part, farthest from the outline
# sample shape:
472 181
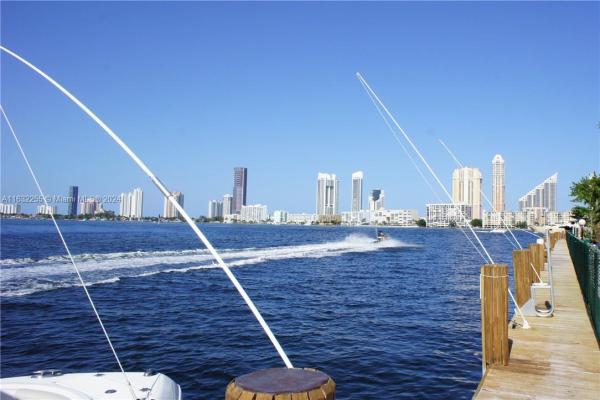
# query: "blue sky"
199 88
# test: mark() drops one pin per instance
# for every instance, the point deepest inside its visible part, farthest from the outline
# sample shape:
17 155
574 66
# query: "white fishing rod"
437 179
161 187
64 242
493 209
414 163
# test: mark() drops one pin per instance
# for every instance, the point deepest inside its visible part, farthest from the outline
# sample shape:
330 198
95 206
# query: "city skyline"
459 104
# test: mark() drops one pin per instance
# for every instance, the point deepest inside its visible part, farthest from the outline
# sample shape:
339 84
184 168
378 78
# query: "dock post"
537 258
282 384
494 314
523 275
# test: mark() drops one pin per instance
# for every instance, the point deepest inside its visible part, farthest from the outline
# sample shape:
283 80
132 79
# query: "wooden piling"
523 275
494 314
537 258
282 384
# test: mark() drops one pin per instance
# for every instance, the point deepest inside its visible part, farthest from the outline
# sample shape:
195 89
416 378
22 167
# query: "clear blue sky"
198 88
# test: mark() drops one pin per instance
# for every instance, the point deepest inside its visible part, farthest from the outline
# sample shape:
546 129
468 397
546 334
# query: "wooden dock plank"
559 357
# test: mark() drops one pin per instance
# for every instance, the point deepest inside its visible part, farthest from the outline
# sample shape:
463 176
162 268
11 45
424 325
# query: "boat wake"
26 276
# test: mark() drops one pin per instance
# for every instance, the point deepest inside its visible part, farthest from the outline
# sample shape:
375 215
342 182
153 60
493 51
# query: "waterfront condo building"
442 214
542 196
227 204
169 211
132 204
498 185
46 210
240 182
10 209
357 191
327 194
215 209
254 213
377 200
72 201
466 189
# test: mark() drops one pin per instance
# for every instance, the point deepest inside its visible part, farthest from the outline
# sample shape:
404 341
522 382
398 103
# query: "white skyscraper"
327 194
227 204
125 206
132 204
498 186
542 196
137 203
466 188
169 211
357 191
215 209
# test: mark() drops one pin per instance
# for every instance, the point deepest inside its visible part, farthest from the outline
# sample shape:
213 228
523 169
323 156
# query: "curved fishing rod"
437 179
64 242
169 196
493 209
413 162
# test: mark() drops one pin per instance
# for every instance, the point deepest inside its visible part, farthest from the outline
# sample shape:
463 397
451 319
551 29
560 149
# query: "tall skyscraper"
498 186
169 211
466 188
72 200
327 194
377 200
132 204
137 203
542 196
125 206
357 191
240 179
227 205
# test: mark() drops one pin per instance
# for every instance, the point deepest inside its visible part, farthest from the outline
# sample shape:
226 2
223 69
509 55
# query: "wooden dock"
558 357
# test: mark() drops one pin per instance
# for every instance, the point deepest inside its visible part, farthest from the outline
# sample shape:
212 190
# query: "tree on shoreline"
587 192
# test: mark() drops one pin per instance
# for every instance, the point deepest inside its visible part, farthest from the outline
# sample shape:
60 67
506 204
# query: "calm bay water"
396 320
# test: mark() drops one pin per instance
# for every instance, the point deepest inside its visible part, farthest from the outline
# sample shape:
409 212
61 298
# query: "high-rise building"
72 200
227 204
466 188
137 203
125 206
357 191
254 213
169 211
327 194
377 200
443 214
10 208
542 196
498 185
132 204
89 206
46 209
215 209
240 182
279 217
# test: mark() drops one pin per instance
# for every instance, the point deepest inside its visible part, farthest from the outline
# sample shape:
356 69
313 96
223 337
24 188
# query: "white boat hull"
89 386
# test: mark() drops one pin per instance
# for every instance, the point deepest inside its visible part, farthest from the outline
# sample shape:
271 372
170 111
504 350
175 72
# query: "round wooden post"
282 384
523 275
494 314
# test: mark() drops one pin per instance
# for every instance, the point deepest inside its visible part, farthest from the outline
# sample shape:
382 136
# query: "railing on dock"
586 259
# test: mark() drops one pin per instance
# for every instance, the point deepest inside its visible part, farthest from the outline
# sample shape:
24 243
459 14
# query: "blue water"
385 321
